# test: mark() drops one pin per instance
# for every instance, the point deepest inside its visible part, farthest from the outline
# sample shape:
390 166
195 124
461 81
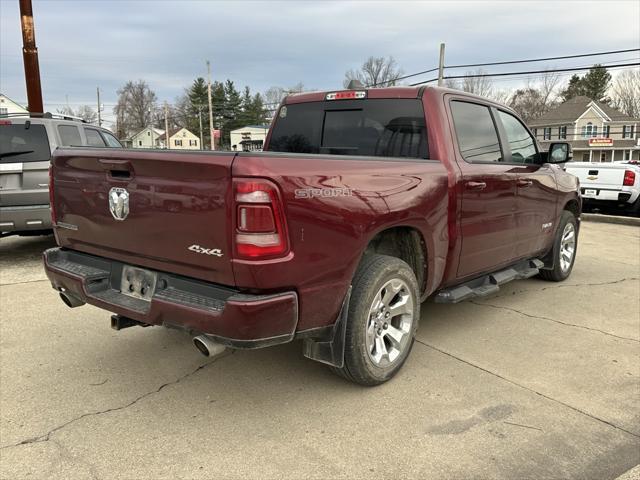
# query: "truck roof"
386 92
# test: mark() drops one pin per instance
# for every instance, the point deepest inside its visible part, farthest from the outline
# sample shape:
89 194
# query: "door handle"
475 185
117 169
524 183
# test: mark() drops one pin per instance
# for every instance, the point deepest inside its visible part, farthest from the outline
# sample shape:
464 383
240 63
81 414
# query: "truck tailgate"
598 175
178 208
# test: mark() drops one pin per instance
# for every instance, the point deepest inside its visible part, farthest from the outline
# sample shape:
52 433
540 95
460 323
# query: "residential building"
145 138
249 139
596 131
180 139
8 106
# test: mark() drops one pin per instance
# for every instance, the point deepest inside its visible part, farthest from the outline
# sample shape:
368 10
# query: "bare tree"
528 102
625 93
536 98
548 87
274 95
473 82
85 112
136 108
375 72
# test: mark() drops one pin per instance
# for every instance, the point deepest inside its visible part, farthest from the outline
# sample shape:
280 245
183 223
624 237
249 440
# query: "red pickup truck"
363 204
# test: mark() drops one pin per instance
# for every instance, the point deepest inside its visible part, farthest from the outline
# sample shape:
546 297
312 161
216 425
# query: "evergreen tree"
197 107
259 116
593 85
231 111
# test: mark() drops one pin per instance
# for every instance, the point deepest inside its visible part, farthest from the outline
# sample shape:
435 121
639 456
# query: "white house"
8 106
146 138
180 139
249 138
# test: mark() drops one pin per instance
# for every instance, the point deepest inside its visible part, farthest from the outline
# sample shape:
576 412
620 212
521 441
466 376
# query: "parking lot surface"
541 380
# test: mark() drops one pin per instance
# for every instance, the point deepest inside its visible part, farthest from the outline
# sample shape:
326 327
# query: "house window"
603 156
139 143
148 134
178 143
562 132
193 143
589 130
627 131
605 131
4 110
547 133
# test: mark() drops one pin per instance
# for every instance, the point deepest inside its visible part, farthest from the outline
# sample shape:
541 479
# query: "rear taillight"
629 178
51 204
260 228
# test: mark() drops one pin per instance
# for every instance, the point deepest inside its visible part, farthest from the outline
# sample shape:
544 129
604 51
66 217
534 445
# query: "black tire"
634 209
374 273
558 273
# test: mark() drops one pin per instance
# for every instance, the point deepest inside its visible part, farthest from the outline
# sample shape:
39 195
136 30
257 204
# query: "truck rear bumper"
232 318
23 218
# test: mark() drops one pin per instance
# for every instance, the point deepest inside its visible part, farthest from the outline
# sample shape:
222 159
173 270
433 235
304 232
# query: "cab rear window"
376 127
23 142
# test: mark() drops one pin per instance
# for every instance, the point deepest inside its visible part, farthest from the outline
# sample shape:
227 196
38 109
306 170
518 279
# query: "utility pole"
99 114
166 126
213 140
200 118
153 143
441 66
30 58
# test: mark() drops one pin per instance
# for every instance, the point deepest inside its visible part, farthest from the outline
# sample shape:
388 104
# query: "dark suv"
26 145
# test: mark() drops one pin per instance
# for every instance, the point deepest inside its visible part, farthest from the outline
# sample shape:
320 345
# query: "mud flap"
331 350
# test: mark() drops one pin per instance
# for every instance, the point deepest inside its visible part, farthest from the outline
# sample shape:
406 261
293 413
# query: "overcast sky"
83 44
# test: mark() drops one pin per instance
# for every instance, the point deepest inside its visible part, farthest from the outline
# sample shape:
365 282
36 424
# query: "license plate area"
590 192
138 283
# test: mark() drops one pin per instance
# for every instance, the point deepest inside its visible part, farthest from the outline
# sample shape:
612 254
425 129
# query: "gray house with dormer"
596 131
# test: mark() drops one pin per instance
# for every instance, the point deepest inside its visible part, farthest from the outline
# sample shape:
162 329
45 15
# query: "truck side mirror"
559 152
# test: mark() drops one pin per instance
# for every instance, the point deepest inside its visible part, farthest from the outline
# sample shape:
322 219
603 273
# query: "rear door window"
94 139
69 135
377 127
24 142
476 132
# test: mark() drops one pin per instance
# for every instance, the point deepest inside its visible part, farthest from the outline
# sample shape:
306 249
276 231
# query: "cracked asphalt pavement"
541 380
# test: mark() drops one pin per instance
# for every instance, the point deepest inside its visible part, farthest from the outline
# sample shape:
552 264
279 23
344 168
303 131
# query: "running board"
489 284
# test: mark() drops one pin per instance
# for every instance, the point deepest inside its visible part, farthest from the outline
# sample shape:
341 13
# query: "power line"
509 62
529 72
563 57
403 77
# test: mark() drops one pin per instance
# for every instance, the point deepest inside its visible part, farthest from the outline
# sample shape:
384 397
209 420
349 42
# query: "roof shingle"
570 110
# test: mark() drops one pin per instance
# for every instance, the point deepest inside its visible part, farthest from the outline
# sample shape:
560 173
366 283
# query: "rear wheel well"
405 243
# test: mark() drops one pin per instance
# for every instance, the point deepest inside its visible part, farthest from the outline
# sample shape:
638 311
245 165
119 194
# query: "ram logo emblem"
119 203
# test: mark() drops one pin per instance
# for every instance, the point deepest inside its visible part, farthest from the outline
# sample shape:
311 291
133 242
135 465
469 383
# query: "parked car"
364 204
611 187
26 145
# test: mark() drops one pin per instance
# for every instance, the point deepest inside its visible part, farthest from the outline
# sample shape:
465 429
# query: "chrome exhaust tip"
70 300
207 346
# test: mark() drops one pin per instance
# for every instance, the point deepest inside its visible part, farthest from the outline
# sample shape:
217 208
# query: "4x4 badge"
119 203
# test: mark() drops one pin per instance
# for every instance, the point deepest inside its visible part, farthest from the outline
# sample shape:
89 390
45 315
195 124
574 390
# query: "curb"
633 474
598 218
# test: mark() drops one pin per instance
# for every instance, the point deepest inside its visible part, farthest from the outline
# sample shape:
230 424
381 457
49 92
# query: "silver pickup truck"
26 144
